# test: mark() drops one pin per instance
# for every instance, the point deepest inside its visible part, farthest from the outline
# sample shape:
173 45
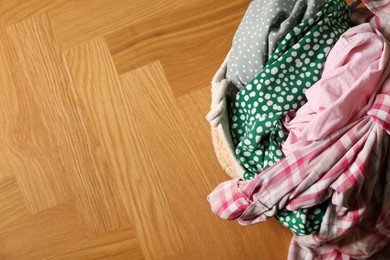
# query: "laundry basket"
223 93
219 120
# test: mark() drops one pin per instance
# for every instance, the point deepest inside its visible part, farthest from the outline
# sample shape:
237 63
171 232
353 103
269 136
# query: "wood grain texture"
150 121
17 10
77 21
117 245
184 66
12 206
36 129
104 149
34 237
98 187
58 233
155 39
174 140
9 105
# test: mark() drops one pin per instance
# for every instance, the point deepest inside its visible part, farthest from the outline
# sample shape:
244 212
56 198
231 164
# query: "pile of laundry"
303 101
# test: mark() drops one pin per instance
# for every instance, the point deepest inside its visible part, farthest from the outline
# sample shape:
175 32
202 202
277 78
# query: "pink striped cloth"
381 8
349 167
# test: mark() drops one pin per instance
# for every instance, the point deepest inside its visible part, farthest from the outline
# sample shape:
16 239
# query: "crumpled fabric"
294 67
255 115
348 165
381 9
360 229
261 30
352 73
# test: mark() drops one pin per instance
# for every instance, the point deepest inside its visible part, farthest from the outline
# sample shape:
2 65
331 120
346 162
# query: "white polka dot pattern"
279 88
264 25
294 66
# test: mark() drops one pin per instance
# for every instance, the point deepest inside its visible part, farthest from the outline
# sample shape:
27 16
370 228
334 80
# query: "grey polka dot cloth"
264 25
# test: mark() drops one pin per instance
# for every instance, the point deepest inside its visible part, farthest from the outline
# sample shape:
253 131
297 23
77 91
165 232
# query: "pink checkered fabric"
381 8
229 202
381 110
350 167
300 180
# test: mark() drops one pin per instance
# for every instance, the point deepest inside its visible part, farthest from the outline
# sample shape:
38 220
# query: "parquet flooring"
105 151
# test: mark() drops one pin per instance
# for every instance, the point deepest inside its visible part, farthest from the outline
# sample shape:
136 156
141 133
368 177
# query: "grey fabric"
264 25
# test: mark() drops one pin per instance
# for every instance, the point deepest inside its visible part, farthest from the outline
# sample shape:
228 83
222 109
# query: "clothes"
380 8
340 96
364 15
279 88
362 229
303 221
382 25
369 236
349 166
261 30
344 93
256 113
343 167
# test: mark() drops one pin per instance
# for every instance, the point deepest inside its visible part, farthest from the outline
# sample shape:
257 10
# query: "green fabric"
295 66
304 221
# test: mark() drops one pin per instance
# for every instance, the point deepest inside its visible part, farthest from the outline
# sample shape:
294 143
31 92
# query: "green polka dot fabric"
305 221
295 65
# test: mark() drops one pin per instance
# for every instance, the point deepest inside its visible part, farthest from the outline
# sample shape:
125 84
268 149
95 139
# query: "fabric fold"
262 28
294 67
353 71
347 163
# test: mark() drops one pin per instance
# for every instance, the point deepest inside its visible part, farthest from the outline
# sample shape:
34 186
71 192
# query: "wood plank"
155 39
106 113
37 236
152 131
12 206
119 244
9 103
98 189
58 233
192 68
35 109
77 21
17 10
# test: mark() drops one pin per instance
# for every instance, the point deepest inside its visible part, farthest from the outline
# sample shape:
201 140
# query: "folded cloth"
261 30
348 166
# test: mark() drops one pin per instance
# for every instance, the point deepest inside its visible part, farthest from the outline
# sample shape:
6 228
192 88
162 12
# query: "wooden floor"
105 152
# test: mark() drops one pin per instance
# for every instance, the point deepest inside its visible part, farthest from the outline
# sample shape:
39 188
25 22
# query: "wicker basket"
222 90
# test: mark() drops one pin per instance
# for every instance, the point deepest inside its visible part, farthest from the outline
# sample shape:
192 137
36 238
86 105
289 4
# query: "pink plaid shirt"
349 167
